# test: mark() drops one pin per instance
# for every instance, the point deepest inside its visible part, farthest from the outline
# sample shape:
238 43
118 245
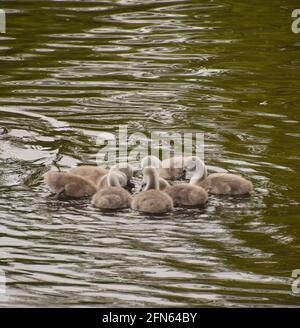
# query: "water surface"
69 69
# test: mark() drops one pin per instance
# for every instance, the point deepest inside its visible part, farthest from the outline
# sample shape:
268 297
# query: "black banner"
84 317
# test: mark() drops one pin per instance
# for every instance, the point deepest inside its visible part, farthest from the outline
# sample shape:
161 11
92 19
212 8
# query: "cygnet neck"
114 178
152 178
200 173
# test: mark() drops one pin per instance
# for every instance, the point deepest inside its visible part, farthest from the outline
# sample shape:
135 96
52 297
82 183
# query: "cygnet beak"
59 195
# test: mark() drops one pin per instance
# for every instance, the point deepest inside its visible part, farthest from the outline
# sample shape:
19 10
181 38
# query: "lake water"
69 69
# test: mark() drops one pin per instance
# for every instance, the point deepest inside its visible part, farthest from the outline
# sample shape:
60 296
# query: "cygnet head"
125 168
195 168
125 173
151 161
116 178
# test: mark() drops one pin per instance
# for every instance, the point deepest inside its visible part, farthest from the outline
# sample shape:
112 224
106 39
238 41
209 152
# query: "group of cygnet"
111 189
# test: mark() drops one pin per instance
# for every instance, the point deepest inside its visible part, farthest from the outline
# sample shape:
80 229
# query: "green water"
230 69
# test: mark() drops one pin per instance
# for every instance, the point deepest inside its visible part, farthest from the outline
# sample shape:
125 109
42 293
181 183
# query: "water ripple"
177 66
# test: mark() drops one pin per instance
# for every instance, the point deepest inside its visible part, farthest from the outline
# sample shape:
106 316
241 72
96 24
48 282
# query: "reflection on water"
70 69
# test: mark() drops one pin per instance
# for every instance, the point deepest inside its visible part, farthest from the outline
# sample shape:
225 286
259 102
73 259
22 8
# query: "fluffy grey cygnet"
113 196
216 183
66 185
152 200
89 172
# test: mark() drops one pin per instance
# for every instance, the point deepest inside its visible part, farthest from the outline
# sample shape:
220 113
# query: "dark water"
230 69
